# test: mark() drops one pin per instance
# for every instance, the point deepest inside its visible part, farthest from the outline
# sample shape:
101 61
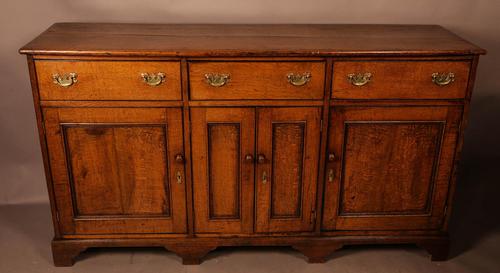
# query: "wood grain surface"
106 39
392 167
400 80
104 80
256 80
114 169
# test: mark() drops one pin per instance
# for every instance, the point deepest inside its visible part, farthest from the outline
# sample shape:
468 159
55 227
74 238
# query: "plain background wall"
21 169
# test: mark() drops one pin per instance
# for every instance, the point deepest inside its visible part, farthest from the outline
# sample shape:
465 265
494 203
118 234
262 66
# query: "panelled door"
223 144
388 168
287 168
280 146
117 170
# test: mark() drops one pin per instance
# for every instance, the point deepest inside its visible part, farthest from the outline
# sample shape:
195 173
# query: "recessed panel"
118 170
288 154
389 167
224 169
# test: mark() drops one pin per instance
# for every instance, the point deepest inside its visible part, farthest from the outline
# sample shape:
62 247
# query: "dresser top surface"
198 40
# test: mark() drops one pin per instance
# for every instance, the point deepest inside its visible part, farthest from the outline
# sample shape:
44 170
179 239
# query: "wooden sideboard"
191 137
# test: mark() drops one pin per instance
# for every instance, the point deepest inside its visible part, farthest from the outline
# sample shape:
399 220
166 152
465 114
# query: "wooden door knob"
261 158
249 158
179 158
331 157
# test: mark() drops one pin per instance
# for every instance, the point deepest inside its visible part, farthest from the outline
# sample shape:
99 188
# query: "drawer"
256 80
108 80
400 79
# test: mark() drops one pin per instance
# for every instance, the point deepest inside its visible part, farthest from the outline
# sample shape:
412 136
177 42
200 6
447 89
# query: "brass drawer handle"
359 79
298 79
65 80
217 80
153 79
442 79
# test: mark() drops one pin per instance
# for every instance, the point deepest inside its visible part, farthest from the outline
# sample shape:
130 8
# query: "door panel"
390 167
132 179
223 162
287 161
114 170
288 154
395 161
222 179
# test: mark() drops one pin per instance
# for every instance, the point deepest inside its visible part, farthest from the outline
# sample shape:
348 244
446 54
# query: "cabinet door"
114 169
287 168
222 141
389 168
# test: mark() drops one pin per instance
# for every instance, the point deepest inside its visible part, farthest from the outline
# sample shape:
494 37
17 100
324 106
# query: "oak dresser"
191 137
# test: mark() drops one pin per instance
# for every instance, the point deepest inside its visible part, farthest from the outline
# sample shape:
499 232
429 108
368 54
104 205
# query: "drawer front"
108 80
400 79
256 80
